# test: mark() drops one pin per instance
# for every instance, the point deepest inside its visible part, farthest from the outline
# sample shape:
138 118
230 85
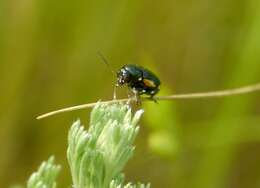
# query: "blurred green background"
48 60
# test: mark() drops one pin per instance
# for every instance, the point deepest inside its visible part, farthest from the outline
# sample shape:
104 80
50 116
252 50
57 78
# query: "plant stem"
215 94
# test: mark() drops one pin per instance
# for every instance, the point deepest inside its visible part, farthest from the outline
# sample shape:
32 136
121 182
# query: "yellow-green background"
48 60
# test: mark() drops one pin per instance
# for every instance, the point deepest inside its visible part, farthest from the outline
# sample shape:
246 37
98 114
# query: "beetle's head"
123 77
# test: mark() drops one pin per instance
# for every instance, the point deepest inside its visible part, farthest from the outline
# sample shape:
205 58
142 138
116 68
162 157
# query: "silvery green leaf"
45 176
97 156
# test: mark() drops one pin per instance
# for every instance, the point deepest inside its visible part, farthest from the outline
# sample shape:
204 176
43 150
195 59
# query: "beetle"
139 79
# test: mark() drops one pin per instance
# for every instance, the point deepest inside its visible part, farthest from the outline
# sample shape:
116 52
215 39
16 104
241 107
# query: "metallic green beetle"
139 80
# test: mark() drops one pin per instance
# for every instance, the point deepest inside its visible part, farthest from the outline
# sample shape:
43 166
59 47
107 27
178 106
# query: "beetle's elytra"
139 80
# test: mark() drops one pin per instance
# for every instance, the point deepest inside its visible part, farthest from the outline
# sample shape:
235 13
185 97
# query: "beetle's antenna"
104 59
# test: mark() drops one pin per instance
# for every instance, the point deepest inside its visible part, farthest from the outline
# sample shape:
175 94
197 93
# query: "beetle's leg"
129 93
114 92
152 94
153 99
116 85
129 97
137 98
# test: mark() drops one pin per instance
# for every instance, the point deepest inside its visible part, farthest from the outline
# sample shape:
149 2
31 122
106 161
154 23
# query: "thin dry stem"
222 93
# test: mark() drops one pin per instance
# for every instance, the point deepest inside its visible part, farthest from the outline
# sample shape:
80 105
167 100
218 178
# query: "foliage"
96 157
45 176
